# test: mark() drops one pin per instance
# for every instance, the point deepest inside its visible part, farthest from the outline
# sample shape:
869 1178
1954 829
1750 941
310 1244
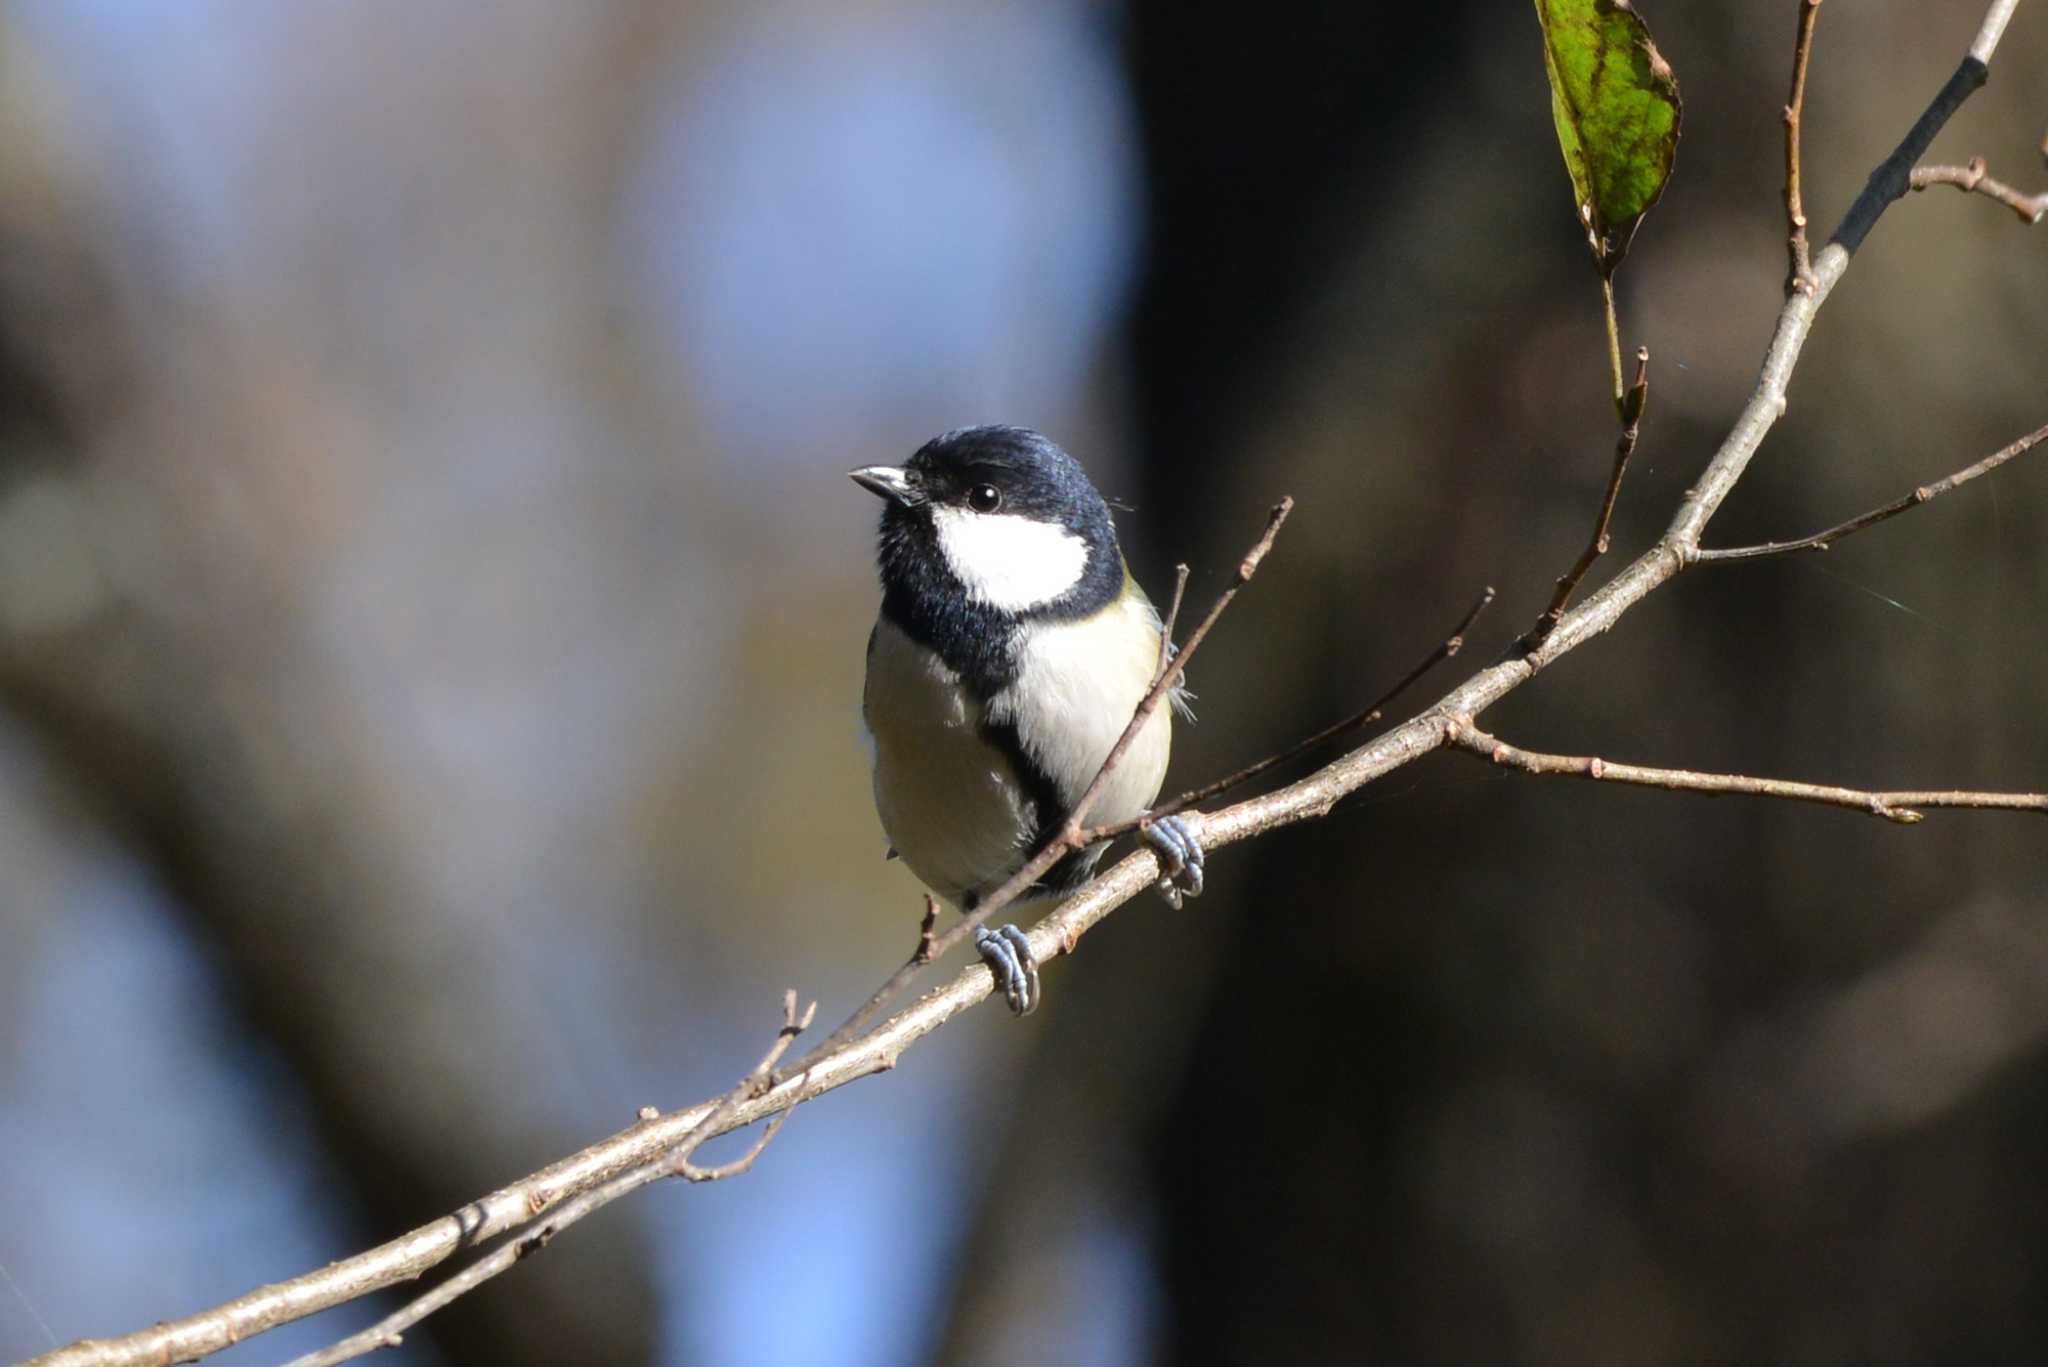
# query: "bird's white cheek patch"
1009 562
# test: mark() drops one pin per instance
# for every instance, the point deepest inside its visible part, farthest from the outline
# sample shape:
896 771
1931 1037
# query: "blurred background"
431 615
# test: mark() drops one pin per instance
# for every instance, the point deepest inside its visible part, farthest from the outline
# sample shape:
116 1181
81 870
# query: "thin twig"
389 1331
1801 275
750 1088
1926 493
1886 184
1632 406
561 1183
1072 836
1180 590
1373 712
1902 807
1971 178
926 931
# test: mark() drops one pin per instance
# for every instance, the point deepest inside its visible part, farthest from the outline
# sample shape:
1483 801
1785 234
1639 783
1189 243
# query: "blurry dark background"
431 612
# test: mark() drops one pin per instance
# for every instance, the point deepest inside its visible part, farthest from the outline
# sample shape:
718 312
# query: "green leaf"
1616 105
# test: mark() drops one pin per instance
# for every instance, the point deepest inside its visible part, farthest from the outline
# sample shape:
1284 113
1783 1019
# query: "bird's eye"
984 498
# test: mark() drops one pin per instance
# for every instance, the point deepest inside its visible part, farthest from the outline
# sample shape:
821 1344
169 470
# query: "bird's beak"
892 482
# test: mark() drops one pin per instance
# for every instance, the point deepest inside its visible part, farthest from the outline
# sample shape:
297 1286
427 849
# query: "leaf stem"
1613 338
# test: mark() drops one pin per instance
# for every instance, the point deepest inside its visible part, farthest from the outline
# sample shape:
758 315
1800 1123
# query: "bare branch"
1373 712
1992 29
1801 275
1632 405
1894 174
563 1184
1926 493
750 1088
1886 184
1180 590
388 1332
1901 807
2030 208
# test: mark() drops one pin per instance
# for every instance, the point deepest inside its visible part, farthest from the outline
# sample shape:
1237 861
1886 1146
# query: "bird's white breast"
949 800
1077 685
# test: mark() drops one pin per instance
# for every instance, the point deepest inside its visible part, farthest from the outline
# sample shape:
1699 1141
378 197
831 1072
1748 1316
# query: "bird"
1011 651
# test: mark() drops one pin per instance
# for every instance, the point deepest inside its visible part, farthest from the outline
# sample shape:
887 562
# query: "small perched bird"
1013 648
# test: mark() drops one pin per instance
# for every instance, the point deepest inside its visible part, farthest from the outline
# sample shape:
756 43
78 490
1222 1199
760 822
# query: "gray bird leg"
1008 956
1180 858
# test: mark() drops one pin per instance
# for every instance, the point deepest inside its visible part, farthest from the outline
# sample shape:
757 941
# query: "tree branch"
1801 274
1901 807
2030 208
388 1332
1926 493
1992 30
1166 625
1372 712
1631 409
1894 175
561 1184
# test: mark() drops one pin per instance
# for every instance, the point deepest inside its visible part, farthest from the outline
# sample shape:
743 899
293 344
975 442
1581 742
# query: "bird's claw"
1180 858
1009 958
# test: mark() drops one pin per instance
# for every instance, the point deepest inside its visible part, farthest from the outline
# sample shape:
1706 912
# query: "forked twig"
389 1331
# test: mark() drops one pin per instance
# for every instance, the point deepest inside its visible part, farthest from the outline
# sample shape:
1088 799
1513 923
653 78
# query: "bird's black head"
987 526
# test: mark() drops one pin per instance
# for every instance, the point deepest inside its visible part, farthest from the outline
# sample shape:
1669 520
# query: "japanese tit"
1012 649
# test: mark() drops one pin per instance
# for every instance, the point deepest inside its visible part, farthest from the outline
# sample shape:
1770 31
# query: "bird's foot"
1008 956
1180 858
